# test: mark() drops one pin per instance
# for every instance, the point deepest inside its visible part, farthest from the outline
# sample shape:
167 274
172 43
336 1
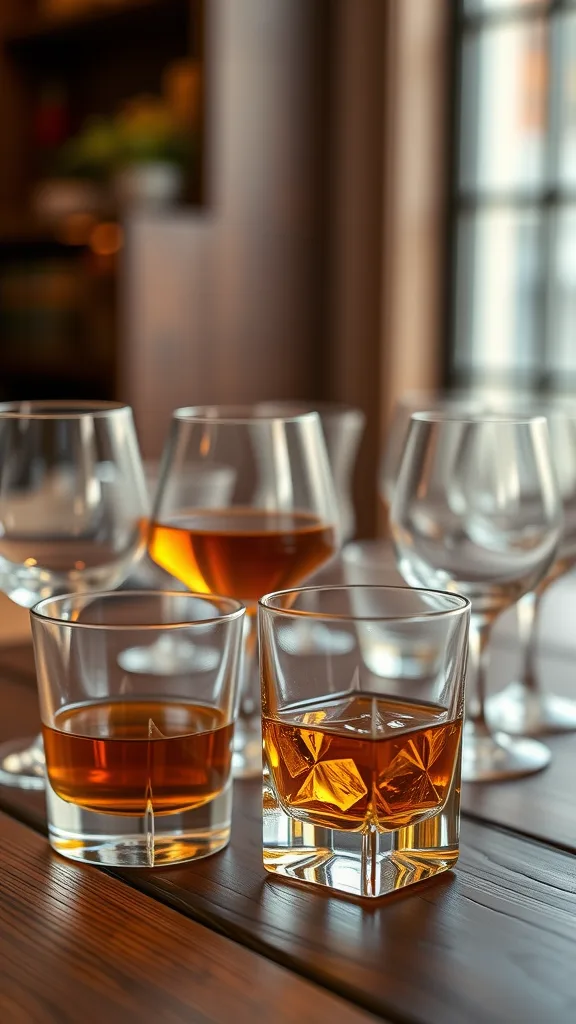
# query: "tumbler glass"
361 776
138 764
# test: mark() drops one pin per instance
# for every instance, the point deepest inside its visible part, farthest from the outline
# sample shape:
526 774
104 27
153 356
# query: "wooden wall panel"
228 306
317 269
389 164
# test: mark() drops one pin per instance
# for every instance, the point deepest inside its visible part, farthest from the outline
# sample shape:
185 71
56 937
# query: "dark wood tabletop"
493 942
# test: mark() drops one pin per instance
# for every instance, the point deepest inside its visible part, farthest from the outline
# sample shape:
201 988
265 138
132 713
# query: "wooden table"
493 942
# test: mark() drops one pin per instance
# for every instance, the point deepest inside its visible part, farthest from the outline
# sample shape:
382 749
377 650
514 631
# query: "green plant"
143 132
92 153
147 132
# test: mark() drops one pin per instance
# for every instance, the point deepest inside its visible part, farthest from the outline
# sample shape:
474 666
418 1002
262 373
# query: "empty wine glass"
72 512
275 529
477 510
522 707
464 402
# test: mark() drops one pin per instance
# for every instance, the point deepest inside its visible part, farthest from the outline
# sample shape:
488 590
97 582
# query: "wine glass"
343 426
277 527
72 512
477 510
522 707
395 439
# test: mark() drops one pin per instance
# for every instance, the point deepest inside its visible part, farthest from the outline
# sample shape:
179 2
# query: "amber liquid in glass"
130 757
243 553
361 762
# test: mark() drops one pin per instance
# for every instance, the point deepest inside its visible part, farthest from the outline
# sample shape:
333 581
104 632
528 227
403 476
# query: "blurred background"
245 200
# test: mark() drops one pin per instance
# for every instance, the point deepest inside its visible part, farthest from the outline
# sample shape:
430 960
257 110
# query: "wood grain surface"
77 945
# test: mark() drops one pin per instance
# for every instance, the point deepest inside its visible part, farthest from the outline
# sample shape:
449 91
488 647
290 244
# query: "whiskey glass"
477 510
72 507
361 774
277 527
138 764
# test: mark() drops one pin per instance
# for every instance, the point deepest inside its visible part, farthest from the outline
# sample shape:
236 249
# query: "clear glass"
500 281
277 527
138 764
361 775
504 107
343 427
72 508
477 509
465 401
524 707
372 562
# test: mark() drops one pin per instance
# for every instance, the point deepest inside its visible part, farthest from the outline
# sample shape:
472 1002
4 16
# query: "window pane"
561 347
488 6
500 284
564 117
504 107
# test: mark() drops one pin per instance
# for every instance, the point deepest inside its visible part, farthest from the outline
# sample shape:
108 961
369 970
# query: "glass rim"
236 610
236 415
488 416
60 409
324 407
461 604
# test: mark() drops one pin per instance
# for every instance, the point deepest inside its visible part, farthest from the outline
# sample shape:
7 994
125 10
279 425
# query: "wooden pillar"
388 189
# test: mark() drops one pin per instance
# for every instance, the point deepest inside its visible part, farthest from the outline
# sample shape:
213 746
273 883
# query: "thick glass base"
115 840
370 865
247 754
22 763
492 757
524 712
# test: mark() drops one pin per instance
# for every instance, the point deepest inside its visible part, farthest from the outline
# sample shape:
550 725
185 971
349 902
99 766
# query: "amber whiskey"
243 553
127 757
362 762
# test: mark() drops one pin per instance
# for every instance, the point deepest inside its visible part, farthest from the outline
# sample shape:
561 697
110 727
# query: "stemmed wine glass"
72 511
277 527
477 510
343 426
464 402
522 707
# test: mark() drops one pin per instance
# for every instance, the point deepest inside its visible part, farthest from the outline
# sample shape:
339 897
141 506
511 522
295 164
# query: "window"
514 317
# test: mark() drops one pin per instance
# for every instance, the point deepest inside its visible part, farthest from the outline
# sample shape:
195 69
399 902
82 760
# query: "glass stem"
478 658
527 613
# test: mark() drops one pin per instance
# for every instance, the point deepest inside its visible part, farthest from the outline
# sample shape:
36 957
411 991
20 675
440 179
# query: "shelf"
56 369
22 229
35 34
